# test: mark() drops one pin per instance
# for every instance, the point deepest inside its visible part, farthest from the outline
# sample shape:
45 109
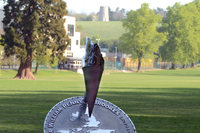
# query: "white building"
1 24
74 53
70 27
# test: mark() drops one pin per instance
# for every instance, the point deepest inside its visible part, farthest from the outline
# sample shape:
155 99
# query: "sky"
88 6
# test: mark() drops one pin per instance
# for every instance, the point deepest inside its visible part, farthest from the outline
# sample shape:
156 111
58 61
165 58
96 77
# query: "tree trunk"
184 66
36 68
139 64
25 70
192 65
173 66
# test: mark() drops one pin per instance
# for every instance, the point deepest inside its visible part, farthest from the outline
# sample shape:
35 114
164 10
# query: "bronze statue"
93 66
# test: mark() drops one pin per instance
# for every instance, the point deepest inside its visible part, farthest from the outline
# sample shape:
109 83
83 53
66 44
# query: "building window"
69 47
69 54
70 30
76 42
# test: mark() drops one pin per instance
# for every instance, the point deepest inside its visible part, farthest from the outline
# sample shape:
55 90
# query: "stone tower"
104 13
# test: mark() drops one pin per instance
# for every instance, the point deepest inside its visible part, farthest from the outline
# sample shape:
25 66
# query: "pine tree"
31 23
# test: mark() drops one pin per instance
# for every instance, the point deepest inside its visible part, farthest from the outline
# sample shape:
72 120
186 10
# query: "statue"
92 66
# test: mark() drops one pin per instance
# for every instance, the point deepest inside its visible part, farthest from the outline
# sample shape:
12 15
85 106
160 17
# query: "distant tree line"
116 15
173 35
84 16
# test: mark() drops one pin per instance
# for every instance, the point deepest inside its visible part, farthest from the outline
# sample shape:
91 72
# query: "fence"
115 64
128 64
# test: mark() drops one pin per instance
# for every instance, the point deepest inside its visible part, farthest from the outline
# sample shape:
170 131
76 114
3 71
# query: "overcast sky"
88 6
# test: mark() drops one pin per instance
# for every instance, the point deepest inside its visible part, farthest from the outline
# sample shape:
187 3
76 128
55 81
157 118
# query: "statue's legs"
83 106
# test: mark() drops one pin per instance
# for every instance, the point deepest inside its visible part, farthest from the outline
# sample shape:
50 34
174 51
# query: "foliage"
1 51
160 11
55 63
5 60
83 16
9 62
117 15
95 38
182 24
141 37
43 56
29 24
110 44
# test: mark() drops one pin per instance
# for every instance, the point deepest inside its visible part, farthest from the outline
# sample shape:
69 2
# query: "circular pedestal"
106 118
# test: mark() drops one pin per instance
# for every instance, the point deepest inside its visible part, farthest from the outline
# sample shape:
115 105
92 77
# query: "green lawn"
157 101
105 30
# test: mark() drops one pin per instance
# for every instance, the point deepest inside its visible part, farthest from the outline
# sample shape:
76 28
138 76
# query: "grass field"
157 101
105 30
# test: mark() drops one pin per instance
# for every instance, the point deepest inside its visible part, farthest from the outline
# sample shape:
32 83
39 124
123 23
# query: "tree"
42 57
9 62
0 52
160 11
182 25
30 23
190 26
141 37
117 15
171 49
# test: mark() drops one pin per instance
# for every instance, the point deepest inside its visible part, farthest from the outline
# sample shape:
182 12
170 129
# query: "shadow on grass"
186 73
151 112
